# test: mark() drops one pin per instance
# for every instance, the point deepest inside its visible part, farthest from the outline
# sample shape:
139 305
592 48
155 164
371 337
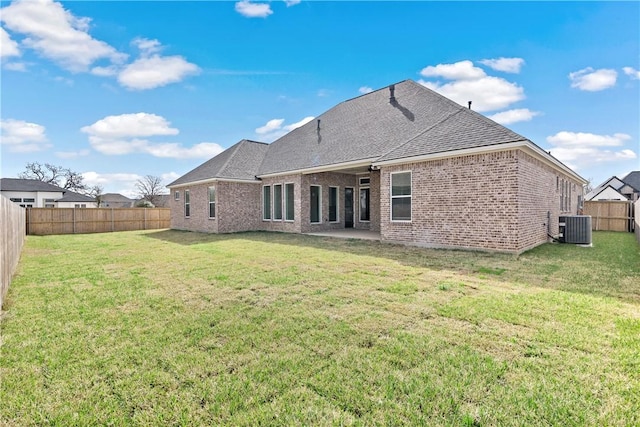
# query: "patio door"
348 207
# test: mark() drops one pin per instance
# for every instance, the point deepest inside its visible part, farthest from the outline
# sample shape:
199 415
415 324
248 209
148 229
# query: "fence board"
610 215
637 220
45 221
12 231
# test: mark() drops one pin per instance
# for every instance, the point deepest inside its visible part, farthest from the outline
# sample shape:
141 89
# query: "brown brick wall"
497 201
237 208
539 194
468 202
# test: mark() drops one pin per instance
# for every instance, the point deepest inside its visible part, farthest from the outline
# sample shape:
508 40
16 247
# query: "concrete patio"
349 233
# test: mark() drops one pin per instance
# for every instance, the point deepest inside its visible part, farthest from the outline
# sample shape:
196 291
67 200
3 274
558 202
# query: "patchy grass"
176 328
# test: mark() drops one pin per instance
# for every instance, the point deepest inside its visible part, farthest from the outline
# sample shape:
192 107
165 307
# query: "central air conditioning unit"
575 229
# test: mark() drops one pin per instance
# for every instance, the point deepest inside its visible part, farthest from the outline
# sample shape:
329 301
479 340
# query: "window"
333 204
187 204
29 200
565 196
315 203
266 202
365 181
364 204
277 201
77 205
176 195
212 202
401 196
16 199
49 205
288 202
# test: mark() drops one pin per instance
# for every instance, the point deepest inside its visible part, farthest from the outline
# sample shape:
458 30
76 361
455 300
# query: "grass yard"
176 328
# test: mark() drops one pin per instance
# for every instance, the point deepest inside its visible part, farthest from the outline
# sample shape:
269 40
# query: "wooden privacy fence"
636 225
12 231
45 221
613 215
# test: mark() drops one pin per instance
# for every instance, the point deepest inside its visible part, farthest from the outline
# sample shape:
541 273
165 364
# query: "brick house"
403 161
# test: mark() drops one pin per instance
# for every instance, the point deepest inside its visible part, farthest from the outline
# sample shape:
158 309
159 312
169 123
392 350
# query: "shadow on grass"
610 268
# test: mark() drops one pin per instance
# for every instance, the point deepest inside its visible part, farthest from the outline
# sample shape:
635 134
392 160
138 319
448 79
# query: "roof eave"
325 168
212 180
533 149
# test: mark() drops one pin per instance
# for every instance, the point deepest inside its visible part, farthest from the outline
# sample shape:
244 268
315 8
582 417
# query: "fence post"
144 224
74 220
112 226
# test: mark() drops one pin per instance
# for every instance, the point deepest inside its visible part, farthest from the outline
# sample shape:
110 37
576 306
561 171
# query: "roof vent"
469 105
392 96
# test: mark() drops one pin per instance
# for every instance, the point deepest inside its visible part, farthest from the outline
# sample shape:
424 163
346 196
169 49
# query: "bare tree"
150 188
56 175
96 192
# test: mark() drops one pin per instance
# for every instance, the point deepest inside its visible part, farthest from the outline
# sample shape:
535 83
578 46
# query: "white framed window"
187 204
277 202
212 202
315 204
16 199
364 200
334 216
289 214
401 196
176 195
266 203
29 200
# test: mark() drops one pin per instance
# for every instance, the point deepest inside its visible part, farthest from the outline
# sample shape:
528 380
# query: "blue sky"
119 90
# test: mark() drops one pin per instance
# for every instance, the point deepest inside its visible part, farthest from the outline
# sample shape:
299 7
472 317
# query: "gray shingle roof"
633 179
374 127
240 161
16 184
115 197
418 121
70 196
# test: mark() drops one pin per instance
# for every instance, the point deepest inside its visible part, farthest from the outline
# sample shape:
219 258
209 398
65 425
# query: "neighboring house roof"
70 196
606 193
114 197
401 121
17 184
239 162
633 179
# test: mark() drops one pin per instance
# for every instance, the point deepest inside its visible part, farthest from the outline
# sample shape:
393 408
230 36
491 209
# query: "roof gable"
633 179
605 193
240 161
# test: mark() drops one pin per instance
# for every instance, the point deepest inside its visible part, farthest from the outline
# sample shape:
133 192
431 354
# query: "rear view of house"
403 161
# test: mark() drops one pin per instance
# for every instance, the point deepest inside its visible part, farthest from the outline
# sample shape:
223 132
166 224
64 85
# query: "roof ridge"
235 148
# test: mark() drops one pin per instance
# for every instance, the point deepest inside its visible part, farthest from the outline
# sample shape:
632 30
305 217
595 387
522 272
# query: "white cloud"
126 133
130 125
323 93
57 34
8 47
15 66
514 116
463 70
365 89
273 129
169 177
108 71
290 3
582 149
253 10
593 80
629 71
177 151
507 65
147 47
487 93
23 137
272 125
72 154
155 71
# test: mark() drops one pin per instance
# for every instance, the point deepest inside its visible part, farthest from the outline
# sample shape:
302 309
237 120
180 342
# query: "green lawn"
175 328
